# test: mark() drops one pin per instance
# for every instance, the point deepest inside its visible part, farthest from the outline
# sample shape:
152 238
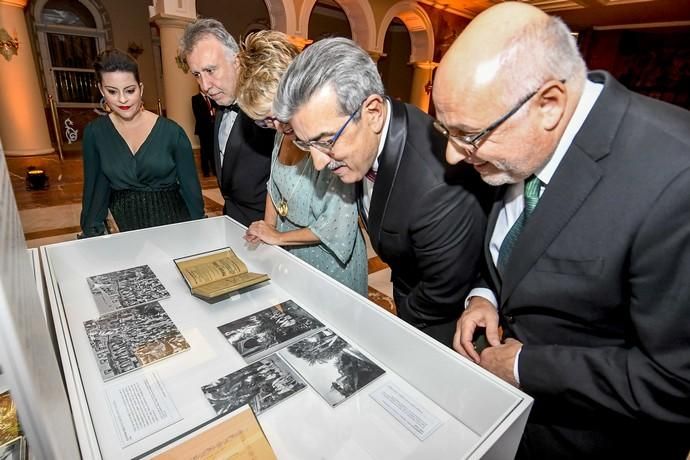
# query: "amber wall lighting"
8 46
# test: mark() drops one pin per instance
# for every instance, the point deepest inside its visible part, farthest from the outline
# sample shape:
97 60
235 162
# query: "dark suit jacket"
425 223
204 122
246 166
597 288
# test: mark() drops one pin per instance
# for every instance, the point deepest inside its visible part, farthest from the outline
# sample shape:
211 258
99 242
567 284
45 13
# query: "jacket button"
509 319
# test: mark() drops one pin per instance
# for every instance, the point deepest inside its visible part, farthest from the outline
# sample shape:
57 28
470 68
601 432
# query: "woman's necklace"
282 205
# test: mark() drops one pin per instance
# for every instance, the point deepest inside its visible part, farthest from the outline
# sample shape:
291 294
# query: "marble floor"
52 215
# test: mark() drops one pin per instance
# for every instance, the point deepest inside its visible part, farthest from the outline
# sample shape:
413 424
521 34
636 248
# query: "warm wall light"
8 46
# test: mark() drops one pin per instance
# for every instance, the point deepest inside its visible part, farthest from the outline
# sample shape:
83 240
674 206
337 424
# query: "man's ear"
374 112
552 100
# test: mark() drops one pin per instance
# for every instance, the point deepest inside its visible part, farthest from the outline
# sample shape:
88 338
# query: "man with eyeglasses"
242 150
421 217
588 243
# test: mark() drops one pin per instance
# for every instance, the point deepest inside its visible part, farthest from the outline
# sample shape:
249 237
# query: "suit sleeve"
648 378
187 176
447 233
96 193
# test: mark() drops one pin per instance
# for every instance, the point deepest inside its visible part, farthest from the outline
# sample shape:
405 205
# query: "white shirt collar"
384 135
590 93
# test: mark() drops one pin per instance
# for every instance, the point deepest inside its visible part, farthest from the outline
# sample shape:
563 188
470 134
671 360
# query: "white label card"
140 406
411 415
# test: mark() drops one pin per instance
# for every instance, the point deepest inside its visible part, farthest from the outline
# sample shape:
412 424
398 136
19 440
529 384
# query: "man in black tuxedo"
587 249
421 218
242 150
205 120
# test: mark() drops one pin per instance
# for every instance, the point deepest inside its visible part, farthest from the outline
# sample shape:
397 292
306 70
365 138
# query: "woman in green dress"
137 164
310 213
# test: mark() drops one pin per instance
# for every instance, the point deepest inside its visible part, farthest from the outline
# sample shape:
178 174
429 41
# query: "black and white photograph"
126 288
262 385
262 333
333 367
14 450
128 339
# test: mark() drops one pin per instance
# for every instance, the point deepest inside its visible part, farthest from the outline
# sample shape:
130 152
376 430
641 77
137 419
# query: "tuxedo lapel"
491 224
216 147
232 148
574 180
389 161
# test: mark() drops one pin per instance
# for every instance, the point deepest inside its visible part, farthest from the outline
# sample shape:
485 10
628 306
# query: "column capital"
175 22
376 55
425 65
299 42
173 8
16 3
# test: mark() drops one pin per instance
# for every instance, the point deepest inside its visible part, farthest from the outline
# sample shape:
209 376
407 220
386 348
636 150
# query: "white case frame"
482 416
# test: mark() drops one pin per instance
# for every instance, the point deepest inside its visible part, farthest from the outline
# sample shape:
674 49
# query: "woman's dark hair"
114 60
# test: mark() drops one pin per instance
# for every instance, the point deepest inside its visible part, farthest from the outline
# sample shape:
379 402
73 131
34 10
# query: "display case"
478 415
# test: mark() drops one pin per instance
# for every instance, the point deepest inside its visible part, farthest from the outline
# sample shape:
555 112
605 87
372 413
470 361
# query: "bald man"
588 243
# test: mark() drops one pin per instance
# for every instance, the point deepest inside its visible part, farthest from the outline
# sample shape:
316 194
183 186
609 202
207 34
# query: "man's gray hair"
202 28
336 62
540 52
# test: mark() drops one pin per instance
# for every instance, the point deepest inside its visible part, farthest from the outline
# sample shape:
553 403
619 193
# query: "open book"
215 274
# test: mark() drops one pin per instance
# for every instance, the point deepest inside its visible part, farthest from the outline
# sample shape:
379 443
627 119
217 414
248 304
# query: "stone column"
421 83
179 86
23 124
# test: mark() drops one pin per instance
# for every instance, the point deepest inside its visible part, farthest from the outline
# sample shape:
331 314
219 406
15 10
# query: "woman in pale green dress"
310 213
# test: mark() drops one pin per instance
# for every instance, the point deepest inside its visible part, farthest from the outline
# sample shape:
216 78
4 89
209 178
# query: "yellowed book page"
238 438
209 268
224 286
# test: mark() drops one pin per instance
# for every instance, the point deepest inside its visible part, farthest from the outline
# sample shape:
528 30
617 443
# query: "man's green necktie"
532 187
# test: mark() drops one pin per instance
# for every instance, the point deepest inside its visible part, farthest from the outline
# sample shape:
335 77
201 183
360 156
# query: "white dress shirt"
368 184
224 129
513 201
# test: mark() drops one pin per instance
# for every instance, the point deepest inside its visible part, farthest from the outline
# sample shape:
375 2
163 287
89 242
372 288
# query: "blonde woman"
310 213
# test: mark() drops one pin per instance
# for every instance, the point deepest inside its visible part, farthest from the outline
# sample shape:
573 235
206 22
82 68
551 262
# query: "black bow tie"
233 108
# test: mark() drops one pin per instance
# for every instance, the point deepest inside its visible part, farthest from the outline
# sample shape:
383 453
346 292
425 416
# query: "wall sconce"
8 46
135 49
427 88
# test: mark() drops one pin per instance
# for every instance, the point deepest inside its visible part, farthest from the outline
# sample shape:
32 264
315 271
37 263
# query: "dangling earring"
141 106
104 106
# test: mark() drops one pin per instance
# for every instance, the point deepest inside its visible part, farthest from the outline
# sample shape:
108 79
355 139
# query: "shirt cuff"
516 374
482 292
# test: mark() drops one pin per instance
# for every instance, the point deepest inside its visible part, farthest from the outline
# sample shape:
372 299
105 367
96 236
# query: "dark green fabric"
163 162
134 209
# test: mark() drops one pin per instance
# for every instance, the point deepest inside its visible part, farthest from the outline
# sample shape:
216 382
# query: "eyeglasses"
266 122
325 146
472 141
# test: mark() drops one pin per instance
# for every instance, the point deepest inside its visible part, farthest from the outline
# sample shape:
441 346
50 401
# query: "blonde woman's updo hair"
264 57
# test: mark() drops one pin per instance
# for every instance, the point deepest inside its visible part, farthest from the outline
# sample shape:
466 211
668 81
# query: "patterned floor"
52 215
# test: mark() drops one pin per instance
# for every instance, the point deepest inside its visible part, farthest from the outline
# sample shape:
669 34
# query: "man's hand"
479 313
260 231
500 359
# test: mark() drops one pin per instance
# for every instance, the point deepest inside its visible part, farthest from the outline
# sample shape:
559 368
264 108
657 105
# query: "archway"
421 33
359 15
